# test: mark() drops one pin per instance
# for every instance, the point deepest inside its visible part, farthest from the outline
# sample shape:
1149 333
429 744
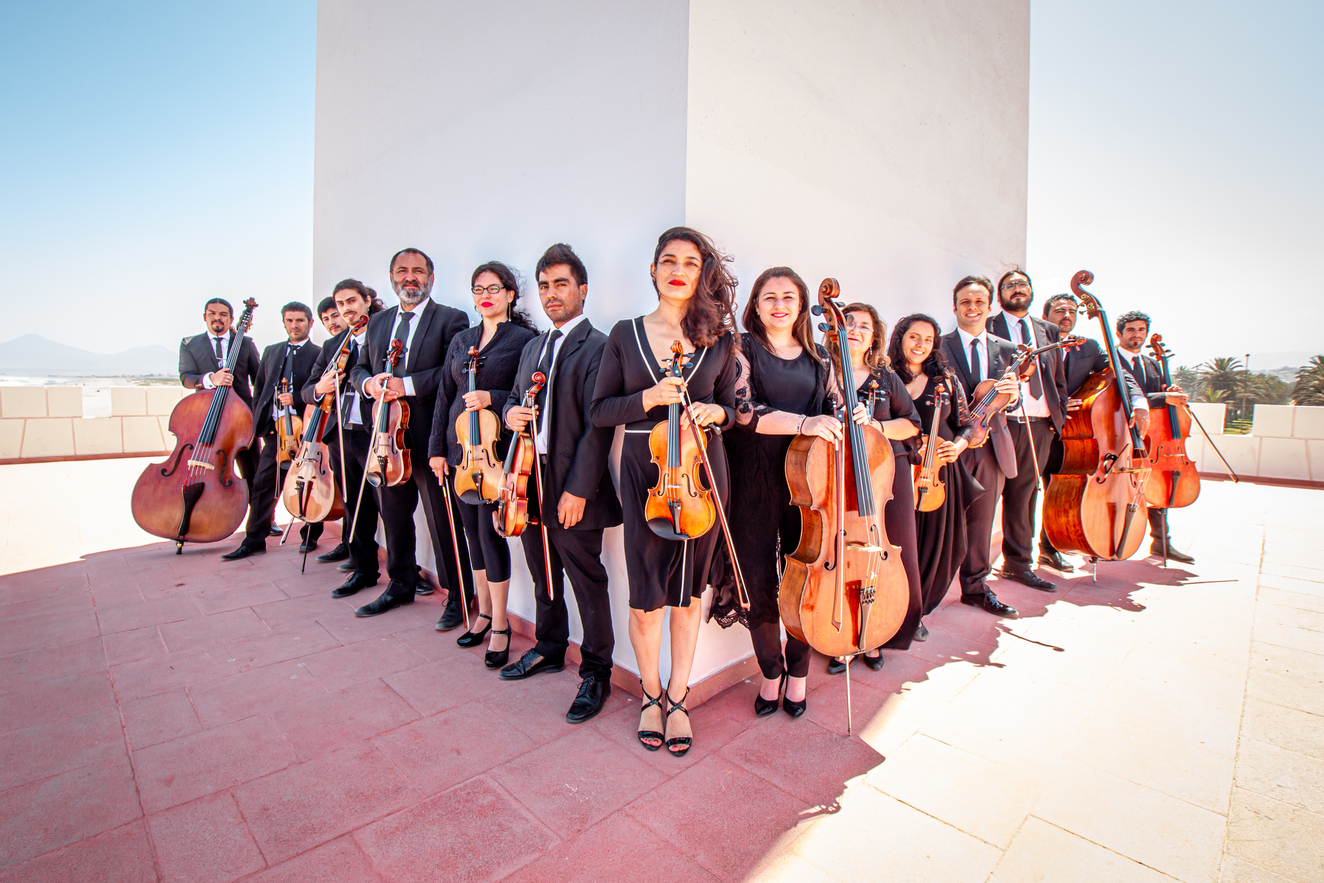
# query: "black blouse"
769 383
498 363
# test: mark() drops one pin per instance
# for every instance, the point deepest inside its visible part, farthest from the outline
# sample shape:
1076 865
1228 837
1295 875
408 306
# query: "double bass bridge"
201 464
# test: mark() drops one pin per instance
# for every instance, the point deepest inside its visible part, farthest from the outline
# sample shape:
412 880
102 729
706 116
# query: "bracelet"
799 430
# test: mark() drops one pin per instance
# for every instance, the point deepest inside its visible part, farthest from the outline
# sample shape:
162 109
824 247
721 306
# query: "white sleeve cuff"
206 382
409 385
1140 403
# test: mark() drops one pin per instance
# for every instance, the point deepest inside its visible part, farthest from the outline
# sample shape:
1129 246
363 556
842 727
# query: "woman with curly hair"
696 306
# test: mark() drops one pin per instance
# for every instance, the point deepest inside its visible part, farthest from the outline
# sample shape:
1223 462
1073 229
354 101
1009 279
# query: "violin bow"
455 547
540 379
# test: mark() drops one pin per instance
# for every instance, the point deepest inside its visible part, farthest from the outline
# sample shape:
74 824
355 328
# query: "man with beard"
581 499
1078 363
1033 425
289 361
425 328
1132 333
201 361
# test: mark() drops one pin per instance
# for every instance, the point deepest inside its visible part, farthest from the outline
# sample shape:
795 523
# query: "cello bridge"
202 464
870 548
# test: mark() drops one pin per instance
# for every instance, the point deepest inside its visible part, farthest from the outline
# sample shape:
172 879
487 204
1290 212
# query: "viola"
388 460
1174 482
844 588
929 489
986 401
289 431
679 506
193 496
1096 505
512 514
478 477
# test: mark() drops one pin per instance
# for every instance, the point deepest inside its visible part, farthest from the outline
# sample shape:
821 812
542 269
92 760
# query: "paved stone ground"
183 719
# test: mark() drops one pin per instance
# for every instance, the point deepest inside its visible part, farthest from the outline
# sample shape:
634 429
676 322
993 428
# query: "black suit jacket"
1000 354
197 359
1052 374
1088 358
577 450
309 393
424 362
1151 384
268 381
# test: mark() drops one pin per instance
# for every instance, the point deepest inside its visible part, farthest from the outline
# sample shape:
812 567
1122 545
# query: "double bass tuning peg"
823 326
816 310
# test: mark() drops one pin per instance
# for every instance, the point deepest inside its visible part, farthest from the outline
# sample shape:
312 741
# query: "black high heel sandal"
650 734
764 707
682 742
473 639
498 658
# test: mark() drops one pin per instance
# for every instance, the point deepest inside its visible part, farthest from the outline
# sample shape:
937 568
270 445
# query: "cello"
1096 505
1174 481
844 589
679 506
193 496
478 477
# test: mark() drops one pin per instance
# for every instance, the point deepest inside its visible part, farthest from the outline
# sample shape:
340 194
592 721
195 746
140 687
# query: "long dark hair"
876 355
369 296
712 310
935 364
803 332
510 282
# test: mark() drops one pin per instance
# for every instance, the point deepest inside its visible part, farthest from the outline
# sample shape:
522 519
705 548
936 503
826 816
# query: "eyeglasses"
491 289
1016 283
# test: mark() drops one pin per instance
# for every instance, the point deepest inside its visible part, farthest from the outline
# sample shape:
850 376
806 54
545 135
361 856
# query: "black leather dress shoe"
423 587
339 553
836 666
353 584
1173 555
989 602
243 552
386 601
451 618
275 530
592 695
306 547
1055 561
921 632
528 665
345 566
1028 578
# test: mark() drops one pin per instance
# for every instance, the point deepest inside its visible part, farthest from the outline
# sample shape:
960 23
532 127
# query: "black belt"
1015 419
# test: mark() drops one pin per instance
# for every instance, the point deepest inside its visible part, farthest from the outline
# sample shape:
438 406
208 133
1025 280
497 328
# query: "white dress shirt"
225 351
409 341
1138 403
978 372
540 439
277 409
1022 331
349 402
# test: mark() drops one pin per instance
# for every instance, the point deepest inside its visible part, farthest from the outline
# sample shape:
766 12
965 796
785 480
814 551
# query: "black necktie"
1139 370
545 368
1036 385
220 356
976 369
402 335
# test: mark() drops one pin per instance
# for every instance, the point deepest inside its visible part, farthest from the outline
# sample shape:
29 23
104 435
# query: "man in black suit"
976 355
351 423
1035 423
426 328
1132 333
329 315
1078 364
201 358
581 500
290 361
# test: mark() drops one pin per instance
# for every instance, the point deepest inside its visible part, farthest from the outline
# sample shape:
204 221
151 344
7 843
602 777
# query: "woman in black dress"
696 305
941 534
500 337
895 413
782 393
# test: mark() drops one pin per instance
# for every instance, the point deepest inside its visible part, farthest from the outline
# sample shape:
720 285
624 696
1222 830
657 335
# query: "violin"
1096 505
388 460
986 401
679 506
844 588
289 431
512 514
478 477
1174 482
193 496
929 489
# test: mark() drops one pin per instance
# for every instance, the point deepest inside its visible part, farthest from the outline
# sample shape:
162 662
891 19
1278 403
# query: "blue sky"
156 154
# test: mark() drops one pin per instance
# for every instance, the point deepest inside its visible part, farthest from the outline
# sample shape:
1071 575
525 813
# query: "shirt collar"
966 337
570 325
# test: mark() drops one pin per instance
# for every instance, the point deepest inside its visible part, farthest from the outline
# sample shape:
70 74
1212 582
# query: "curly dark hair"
803 332
509 281
935 365
712 310
369 296
1133 316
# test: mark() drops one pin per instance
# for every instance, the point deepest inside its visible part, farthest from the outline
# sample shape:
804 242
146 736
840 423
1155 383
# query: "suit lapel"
424 320
962 361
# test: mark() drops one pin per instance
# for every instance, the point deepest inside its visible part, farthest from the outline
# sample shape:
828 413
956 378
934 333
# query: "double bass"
679 506
194 496
1095 506
478 477
1174 482
844 588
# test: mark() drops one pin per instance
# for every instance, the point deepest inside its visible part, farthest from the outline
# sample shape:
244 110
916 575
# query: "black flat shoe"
384 602
764 707
498 658
339 553
836 666
345 566
1028 578
989 601
354 584
922 632
528 665
305 548
684 743
650 734
875 663
1056 561
243 552
592 695
473 639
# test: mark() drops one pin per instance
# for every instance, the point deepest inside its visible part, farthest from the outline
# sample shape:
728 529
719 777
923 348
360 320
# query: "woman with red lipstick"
500 338
696 306
894 411
782 393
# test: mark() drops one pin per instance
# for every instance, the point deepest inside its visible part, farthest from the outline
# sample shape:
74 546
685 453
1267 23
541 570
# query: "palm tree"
1224 374
1309 388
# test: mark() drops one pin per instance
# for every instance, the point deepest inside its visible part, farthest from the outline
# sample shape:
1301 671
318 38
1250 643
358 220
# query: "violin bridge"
202 464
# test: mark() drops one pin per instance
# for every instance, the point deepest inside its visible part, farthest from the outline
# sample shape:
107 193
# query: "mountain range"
34 355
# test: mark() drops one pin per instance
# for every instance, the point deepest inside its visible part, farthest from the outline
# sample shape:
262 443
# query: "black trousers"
767 641
1052 465
262 499
397 505
246 463
363 544
577 553
1020 495
1158 522
489 551
978 562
